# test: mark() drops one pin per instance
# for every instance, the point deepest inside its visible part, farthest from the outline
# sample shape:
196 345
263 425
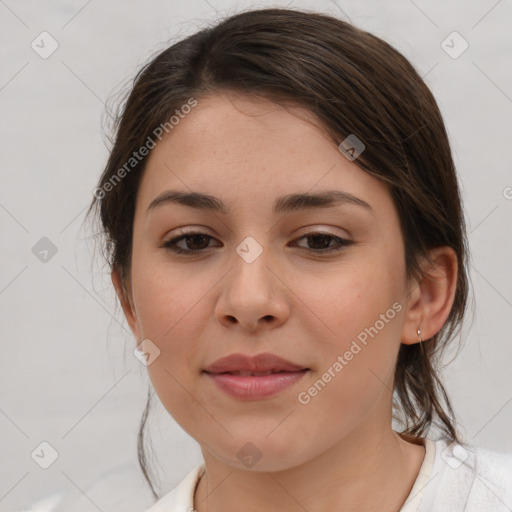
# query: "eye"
323 239
198 241
193 239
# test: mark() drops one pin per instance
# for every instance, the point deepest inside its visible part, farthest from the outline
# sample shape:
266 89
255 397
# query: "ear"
126 303
431 297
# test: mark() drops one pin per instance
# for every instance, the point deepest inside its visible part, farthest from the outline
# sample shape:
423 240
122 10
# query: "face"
320 285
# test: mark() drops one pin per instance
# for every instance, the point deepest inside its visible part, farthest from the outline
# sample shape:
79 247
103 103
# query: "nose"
254 295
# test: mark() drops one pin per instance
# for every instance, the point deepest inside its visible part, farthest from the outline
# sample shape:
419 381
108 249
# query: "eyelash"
171 244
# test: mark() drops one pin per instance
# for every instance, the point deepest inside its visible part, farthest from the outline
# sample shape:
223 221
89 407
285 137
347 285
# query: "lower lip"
253 387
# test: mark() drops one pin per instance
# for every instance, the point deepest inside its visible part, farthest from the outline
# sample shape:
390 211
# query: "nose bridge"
251 263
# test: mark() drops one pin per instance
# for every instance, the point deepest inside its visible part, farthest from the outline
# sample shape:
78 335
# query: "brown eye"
321 242
194 242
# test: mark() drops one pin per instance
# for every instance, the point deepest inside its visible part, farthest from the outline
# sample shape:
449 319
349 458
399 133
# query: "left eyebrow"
287 203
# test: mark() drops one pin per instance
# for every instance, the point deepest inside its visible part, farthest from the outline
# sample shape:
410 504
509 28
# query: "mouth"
254 377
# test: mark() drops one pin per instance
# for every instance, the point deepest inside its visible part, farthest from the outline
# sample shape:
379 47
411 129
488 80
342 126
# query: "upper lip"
259 363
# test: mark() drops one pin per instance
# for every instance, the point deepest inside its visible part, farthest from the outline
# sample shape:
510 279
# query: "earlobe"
126 303
432 298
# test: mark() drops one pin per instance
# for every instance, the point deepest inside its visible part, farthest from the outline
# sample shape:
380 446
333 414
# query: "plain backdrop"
68 376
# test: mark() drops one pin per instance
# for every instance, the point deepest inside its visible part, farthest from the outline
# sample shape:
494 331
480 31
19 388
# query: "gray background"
67 372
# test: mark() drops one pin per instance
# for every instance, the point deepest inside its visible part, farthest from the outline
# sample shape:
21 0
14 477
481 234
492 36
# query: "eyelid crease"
314 229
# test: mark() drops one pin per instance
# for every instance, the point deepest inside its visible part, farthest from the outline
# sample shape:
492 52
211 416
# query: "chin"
260 452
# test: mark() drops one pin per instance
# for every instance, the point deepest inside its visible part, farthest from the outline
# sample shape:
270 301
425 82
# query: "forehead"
249 150
230 126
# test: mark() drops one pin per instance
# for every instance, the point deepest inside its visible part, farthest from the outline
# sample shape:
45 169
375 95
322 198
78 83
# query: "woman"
286 238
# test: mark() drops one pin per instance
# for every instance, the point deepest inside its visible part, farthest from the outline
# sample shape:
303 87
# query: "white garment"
452 478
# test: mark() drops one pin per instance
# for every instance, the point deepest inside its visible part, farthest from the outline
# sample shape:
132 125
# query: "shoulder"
181 498
470 478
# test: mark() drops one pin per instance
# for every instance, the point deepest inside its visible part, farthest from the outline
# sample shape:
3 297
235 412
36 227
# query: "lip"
259 363
254 387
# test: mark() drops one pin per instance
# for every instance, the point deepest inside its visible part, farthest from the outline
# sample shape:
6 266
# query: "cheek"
350 301
172 313
165 299
361 322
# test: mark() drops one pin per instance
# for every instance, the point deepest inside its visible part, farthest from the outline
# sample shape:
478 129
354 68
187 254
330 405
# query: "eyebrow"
287 203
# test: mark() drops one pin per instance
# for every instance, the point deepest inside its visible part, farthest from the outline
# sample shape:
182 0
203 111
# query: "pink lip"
255 387
284 374
258 363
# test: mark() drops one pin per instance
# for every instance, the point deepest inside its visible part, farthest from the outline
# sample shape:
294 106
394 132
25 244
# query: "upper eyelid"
302 232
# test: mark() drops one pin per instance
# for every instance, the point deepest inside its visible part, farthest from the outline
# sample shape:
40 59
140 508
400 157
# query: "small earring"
419 335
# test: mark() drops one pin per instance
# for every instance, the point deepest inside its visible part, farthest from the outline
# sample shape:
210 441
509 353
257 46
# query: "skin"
338 452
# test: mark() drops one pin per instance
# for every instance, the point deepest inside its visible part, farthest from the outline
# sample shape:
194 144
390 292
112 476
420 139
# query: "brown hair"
355 83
